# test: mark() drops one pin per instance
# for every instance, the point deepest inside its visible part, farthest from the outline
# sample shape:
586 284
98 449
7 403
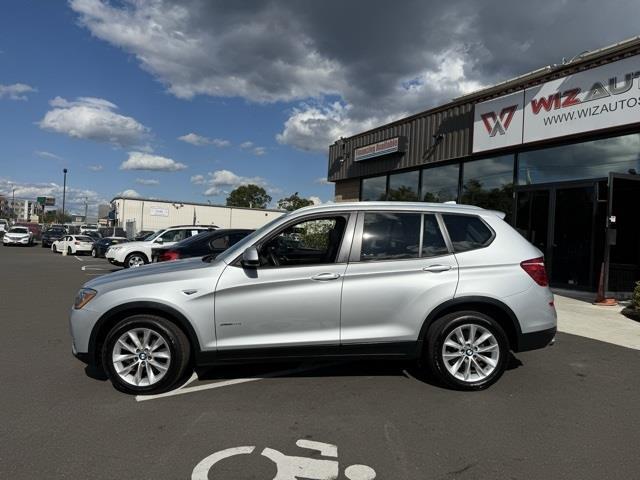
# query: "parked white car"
4 226
73 244
18 236
135 254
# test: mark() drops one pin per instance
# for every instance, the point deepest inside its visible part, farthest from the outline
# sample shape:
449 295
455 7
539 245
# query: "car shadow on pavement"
339 368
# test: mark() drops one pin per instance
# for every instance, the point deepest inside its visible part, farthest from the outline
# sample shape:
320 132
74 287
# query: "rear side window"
433 243
390 236
467 232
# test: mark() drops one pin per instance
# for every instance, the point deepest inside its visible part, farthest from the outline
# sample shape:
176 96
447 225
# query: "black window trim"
356 246
487 244
343 250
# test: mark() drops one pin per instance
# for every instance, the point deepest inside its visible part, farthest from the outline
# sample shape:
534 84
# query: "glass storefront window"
440 184
374 188
403 187
488 183
593 159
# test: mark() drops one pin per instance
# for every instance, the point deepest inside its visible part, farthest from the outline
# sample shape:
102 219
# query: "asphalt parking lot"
570 411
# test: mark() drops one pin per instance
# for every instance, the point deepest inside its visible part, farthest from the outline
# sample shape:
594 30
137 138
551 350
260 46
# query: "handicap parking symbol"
291 467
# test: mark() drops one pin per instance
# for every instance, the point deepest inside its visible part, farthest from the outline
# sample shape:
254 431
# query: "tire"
54 249
479 366
94 254
175 344
135 259
69 252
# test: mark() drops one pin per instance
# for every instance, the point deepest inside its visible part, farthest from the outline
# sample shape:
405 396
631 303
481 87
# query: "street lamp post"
13 205
64 193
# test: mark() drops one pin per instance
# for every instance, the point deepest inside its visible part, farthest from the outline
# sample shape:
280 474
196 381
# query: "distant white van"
89 227
4 225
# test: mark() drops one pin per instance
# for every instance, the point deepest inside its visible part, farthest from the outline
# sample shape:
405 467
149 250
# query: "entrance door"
560 220
623 233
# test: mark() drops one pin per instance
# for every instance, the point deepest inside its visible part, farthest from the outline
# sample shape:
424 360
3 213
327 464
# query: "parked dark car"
102 245
142 234
51 235
93 234
207 243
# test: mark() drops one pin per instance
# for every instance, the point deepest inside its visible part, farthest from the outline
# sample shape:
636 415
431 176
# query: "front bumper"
15 241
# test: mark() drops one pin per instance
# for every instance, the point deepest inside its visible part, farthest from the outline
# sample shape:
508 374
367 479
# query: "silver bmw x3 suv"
451 285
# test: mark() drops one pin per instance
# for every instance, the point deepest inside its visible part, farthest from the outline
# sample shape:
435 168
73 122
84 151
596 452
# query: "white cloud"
246 145
322 181
49 155
198 179
146 161
147 181
223 181
315 200
16 91
199 140
95 168
93 119
75 197
128 193
259 151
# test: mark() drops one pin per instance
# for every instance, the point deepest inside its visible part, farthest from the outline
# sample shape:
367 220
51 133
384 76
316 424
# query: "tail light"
77 243
169 255
535 269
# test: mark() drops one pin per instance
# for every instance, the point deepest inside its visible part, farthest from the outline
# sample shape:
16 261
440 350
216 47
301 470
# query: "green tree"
55 216
250 196
294 202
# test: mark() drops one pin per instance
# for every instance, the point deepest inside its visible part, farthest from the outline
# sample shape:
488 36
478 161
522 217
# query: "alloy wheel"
141 357
470 352
135 261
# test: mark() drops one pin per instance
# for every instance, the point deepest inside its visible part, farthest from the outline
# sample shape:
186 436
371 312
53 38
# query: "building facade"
557 150
137 214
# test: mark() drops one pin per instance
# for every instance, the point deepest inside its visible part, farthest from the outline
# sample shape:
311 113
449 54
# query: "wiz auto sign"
603 97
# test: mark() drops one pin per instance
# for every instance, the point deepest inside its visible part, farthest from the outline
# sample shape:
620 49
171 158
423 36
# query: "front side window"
467 232
390 236
309 242
174 235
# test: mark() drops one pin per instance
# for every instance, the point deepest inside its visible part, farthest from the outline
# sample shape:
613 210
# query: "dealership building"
135 214
557 150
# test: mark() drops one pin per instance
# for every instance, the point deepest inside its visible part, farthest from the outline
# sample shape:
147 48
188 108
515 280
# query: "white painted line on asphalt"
78 258
97 267
227 383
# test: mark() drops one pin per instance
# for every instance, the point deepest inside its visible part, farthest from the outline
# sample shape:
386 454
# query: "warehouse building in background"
137 214
557 150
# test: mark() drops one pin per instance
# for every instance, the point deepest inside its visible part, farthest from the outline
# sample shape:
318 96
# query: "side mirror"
160 241
250 258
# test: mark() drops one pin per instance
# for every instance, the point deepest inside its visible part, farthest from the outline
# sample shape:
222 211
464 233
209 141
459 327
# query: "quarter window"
390 236
467 232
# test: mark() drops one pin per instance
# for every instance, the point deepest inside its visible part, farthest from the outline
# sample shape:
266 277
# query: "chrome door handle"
437 268
323 277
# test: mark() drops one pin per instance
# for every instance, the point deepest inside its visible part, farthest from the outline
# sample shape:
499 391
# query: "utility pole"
86 206
64 193
13 205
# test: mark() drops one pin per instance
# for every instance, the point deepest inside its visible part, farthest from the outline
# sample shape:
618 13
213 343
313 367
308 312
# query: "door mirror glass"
160 241
250 258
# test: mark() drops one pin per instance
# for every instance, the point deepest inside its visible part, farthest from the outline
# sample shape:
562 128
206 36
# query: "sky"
186 100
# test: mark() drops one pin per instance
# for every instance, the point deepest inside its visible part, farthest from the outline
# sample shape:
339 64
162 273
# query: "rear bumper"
536 340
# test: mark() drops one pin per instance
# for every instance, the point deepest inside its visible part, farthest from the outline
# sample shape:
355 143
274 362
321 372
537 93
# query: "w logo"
495 124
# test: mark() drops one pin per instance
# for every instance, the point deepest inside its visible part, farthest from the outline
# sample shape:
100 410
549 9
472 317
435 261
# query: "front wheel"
145 354
94 253
69 252
135 260
54 248
467 350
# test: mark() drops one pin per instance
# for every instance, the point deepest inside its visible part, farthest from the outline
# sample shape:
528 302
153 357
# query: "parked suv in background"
135 254
452 285
51 235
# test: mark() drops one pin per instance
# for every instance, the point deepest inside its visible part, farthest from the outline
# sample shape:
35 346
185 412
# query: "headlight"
114 248
83 297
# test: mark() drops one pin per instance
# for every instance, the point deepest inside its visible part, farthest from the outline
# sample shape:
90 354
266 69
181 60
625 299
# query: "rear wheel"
94 253
467 350
145 354
135 260
54 249
69 251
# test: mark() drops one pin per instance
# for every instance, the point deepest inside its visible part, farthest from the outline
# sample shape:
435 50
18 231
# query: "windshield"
248 240
19 230
152 236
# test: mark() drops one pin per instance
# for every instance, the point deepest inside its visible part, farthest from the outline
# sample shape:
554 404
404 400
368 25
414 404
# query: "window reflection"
440 184
374 188
403 187
593 159
488 183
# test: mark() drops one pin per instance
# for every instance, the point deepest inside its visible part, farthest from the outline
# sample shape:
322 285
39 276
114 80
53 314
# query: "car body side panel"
388 301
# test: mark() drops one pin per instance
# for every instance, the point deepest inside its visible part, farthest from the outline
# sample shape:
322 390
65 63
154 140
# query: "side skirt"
371 351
